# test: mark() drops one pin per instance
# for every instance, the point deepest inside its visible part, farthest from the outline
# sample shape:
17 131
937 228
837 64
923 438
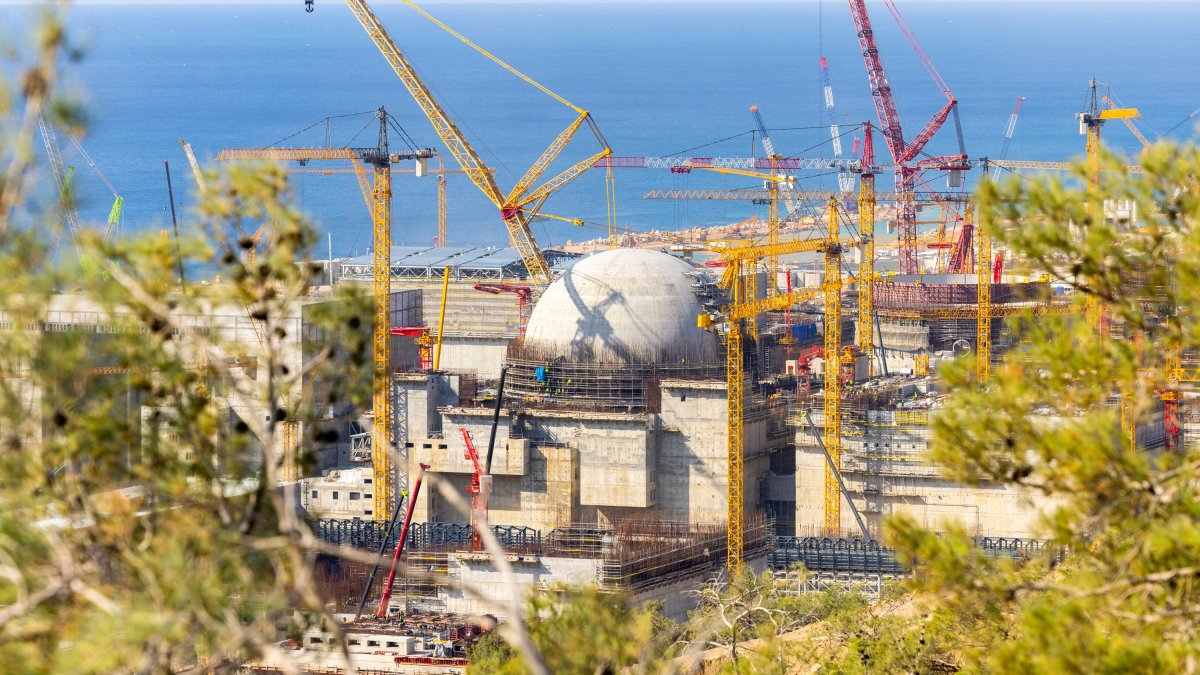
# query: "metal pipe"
487 466
437 357
882 350
387 590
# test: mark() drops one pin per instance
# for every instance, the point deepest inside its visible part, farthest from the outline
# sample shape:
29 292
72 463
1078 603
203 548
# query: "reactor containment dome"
624 307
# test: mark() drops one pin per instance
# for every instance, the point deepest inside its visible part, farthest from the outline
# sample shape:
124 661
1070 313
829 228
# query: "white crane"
1008 135
62 179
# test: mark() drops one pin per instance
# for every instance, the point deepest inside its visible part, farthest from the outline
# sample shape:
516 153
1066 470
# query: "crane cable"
465 40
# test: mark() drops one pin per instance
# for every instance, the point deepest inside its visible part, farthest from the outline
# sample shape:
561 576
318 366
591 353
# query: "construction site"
647 412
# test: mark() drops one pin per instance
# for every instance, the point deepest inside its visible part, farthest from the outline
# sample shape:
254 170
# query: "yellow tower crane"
771 183
832 396
381 159
523 201
1090 123
741 258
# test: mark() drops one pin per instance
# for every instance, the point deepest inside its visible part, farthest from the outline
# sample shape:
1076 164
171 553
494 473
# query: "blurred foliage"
737 627
580 630
141 526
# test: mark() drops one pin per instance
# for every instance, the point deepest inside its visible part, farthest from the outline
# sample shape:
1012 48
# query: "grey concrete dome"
625 306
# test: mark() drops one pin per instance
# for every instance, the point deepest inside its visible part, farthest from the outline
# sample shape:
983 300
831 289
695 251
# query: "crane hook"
308 5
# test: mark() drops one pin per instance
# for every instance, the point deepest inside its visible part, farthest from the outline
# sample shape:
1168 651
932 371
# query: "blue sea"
659 79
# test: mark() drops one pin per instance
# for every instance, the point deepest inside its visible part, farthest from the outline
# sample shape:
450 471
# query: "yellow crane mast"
381 159
1090 123
522 202
741 309
866 232
831 290
832 395
983 326
735 432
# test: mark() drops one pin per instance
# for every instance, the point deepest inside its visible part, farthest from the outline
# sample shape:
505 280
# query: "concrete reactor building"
614 407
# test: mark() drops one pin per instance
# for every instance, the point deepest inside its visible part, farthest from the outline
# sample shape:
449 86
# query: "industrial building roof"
463 261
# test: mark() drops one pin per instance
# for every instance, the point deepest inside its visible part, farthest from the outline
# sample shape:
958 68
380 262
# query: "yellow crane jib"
1120 114
514 206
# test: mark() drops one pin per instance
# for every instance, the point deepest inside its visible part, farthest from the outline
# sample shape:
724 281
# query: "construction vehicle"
524 201
386 599
479 489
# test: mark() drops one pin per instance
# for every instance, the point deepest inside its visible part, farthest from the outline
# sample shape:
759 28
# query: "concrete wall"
480 356
933 501
491 592
614 453
692 451
574 467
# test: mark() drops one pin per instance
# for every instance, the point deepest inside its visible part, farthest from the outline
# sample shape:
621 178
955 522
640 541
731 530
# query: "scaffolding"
645 554
632 555
544 380
939 312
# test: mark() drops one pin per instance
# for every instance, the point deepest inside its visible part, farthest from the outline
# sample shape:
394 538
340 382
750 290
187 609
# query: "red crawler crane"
480 488
909 171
